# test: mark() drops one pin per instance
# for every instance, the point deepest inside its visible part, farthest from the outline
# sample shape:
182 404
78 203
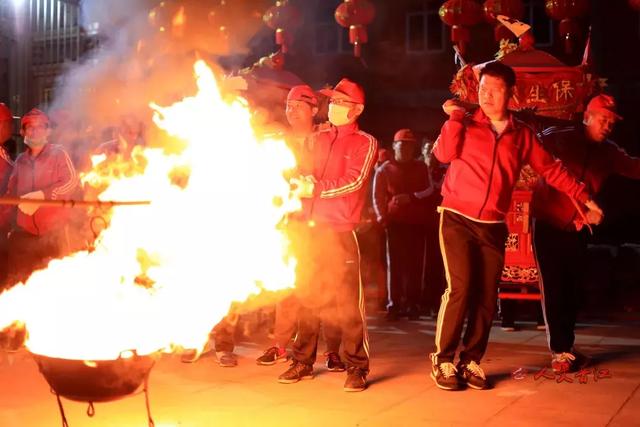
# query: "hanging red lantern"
459 15
635 4
567 12
510 8
356 15
283 18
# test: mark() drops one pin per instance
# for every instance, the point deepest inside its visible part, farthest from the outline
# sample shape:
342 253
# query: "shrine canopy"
544 84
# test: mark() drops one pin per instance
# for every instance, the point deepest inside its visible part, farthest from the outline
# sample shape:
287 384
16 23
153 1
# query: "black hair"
499 70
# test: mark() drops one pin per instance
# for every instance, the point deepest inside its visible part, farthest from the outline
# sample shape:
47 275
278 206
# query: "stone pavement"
400 393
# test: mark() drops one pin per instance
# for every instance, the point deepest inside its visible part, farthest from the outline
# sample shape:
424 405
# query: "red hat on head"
34 115
5 112
303 93
604 103
405 135
346 87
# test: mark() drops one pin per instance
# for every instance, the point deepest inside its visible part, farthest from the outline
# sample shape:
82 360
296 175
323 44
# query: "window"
425 32
330 37
535 15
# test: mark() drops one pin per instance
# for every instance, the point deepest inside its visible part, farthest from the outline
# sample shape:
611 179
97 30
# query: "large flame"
204 244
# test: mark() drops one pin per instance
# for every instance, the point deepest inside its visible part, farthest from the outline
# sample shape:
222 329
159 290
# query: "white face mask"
339 115
35 143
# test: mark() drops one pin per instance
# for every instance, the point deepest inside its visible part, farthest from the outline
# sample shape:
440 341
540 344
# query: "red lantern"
635 4
567 12
510 8
460 14
283 18
356 15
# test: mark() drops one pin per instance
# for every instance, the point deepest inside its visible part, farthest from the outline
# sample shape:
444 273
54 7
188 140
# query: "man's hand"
401 199
303 186
451 105
595 214
31 208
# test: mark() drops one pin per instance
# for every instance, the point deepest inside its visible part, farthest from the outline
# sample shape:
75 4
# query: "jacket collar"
347 129
480 117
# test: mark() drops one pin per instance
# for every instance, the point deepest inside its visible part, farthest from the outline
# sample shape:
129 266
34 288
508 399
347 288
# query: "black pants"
286 325
405 261
329 290
561 258
473 257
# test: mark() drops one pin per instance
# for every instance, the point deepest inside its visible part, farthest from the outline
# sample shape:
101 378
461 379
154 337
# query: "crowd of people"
440 208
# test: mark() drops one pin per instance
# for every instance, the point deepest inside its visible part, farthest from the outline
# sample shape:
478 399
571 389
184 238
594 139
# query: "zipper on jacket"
493 164
33 188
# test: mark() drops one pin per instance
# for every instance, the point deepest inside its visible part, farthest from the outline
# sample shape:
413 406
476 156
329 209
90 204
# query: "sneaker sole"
440 386
336 369
353 389
279 360
475 387
293 381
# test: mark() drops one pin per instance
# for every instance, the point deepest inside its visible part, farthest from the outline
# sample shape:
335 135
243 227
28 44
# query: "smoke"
146 53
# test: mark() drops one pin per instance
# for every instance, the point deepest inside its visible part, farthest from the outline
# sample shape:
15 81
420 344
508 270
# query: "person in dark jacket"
486 150
560 227
400 190
333 192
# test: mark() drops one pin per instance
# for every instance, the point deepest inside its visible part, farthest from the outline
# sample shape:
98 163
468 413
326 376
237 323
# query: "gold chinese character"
535 95
564 90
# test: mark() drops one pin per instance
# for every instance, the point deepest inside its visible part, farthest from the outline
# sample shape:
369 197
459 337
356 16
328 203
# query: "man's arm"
554 172
64 181
449 143
380 196
357 171
623 163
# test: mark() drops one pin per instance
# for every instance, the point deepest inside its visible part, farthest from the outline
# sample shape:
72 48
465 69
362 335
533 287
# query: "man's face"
36 133
404 151
599 124
299 114
130 130
5 130
494 96
344 109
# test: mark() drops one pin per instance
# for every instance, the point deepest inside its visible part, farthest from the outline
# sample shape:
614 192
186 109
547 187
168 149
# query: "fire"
201 245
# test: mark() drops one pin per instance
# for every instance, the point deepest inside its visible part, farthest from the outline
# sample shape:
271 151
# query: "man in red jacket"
43 171
334 191
400 190
560 229
486 150
301 110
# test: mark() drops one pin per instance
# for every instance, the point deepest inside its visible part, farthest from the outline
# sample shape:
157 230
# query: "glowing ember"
203 244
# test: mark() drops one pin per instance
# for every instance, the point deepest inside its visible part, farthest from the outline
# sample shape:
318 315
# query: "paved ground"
400 394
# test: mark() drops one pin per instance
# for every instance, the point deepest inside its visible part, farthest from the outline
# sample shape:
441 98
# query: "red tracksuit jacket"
341 162
591 162
484 167
51 172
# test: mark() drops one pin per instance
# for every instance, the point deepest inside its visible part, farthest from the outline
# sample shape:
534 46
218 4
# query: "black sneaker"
356 380
334 363
444 375
273 355
472 374
298 371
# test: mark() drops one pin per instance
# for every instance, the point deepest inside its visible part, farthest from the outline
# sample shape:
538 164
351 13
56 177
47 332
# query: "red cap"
34 116
346 87
405 135
303 93
604 103
5 112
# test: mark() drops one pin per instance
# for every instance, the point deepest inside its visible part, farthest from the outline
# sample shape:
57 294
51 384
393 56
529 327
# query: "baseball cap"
351 89
405 135
303 93
604 103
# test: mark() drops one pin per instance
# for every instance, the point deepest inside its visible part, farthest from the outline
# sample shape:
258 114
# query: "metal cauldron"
95 380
